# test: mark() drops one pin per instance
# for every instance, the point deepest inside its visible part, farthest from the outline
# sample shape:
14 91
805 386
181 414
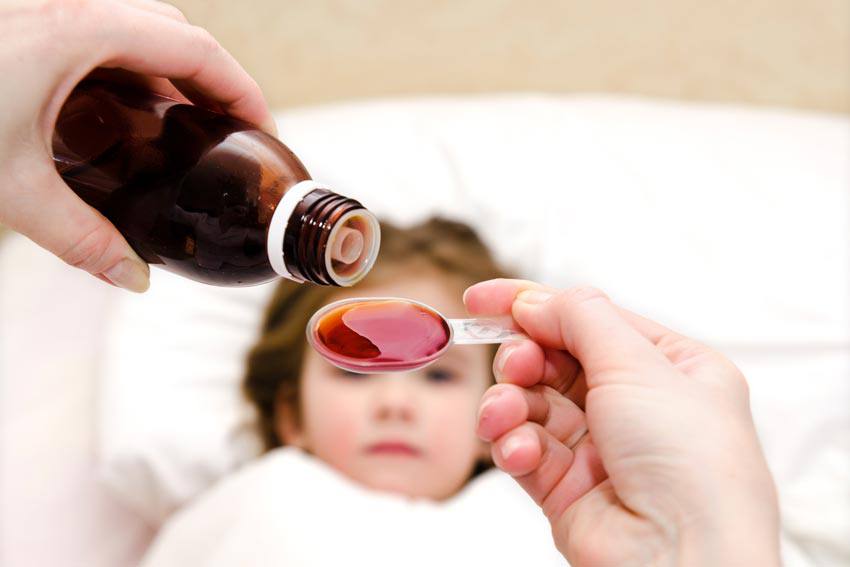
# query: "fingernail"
503 358
466 291
510 446
271 128
489 401
534 296
484 405
129 274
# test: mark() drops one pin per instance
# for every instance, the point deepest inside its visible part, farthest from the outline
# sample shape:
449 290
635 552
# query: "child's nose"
395 398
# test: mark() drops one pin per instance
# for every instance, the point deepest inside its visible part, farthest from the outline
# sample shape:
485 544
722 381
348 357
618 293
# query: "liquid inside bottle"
205 195
380 335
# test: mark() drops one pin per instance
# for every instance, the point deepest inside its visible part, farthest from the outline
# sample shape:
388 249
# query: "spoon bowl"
393 334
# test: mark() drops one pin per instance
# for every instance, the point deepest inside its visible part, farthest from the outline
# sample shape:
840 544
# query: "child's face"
410 432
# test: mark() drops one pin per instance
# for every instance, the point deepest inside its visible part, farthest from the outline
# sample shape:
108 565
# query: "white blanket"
289 509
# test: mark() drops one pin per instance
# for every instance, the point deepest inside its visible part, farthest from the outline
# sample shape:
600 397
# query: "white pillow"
172 420
728 224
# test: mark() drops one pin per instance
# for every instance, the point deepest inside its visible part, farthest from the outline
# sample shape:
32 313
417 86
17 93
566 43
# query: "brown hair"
275 361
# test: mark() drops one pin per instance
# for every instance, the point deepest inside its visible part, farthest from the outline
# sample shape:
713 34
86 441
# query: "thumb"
584 322
55 218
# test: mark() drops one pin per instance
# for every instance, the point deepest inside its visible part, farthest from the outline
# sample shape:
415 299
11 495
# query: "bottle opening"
353 247
321 237
348 246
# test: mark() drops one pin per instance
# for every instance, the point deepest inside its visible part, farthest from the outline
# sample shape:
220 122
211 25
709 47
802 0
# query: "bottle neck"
308 226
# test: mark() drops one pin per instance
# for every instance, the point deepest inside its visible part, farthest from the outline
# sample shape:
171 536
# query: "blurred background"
790 53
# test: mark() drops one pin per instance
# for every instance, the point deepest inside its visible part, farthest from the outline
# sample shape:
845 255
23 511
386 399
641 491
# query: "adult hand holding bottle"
637 442
49 46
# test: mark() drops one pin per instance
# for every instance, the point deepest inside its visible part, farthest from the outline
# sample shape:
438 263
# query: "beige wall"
775 52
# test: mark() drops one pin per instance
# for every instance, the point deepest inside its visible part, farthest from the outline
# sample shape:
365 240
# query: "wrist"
727 513
734 530
734 547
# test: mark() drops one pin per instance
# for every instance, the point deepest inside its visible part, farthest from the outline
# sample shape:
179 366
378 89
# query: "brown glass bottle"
205 195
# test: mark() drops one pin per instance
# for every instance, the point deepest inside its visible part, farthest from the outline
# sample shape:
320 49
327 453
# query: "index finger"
582 321
496 297
187 54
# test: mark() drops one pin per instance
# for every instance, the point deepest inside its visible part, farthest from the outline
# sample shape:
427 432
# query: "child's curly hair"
275 361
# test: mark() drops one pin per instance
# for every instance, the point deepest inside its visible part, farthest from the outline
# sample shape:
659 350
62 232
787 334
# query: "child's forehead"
464 354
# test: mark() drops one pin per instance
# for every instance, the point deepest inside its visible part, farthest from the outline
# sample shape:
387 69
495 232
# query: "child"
410 433
367 469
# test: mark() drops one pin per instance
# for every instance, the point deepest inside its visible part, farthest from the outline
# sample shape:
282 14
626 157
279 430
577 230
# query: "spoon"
393 334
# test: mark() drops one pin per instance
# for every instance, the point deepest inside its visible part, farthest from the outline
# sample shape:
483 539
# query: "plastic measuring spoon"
392 334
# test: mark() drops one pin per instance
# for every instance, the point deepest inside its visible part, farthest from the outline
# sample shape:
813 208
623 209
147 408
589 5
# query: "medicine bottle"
205 195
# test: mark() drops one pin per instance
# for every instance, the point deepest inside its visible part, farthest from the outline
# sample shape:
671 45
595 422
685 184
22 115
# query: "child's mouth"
398 448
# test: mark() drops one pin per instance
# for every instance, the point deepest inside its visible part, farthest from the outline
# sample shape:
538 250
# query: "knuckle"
173 11
90 250
62 13
582 294
678 347
205 40
735 379
568 304
685 352
80 10
253 84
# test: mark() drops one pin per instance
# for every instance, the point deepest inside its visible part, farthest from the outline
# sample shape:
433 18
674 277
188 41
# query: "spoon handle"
485 330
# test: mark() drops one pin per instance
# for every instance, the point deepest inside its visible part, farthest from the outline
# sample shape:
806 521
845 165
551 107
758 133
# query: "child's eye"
437 374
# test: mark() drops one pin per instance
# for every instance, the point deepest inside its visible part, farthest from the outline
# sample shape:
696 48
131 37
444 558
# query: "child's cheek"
336 430
452 424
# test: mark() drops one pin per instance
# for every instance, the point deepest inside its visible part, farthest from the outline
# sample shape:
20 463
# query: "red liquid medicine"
379 335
